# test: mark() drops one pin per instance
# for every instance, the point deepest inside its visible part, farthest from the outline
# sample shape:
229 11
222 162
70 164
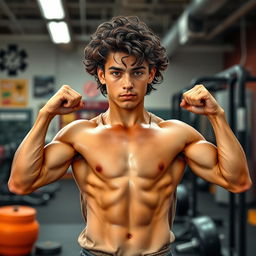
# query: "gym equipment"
18 230
23 200
15 124
202 184
39 197
8 198
234 81
204 238
182 205
49 189
47 248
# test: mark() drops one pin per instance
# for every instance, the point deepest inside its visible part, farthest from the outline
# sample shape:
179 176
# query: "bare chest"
116 152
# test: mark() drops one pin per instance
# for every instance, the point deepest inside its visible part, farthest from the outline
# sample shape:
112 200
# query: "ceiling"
22 20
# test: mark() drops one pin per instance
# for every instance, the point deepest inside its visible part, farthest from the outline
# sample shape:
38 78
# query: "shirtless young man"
128 162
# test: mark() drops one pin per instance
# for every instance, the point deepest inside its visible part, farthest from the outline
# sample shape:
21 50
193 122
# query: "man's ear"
152 73
101 75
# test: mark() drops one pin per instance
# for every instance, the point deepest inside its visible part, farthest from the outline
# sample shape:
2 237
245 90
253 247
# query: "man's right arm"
35 164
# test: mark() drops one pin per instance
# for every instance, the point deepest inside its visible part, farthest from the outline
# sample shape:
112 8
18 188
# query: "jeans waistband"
164 251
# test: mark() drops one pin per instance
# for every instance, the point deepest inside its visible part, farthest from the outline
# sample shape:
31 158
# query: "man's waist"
92 240
163 251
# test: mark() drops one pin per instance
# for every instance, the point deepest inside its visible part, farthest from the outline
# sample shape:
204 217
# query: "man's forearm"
28 159
231 157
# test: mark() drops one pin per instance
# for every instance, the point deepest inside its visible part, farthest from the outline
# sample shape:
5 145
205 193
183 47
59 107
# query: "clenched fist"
198 100
65 101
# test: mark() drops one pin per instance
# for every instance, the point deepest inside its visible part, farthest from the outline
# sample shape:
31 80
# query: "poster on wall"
91 89
13 92
43 86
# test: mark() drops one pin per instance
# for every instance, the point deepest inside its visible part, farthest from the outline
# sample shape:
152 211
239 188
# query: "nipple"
161 167
98 168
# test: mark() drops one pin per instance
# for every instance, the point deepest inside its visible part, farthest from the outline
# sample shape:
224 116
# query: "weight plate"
204 229
47 248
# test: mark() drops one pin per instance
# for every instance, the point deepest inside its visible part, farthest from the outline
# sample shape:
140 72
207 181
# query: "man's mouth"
127 95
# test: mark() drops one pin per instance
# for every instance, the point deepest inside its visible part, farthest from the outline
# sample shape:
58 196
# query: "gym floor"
61 220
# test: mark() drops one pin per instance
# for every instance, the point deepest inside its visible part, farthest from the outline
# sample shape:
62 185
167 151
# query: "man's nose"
128 82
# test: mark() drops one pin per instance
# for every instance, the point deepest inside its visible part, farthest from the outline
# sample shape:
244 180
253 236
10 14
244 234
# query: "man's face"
126 82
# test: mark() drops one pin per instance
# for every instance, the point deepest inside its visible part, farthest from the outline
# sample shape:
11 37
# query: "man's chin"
128 105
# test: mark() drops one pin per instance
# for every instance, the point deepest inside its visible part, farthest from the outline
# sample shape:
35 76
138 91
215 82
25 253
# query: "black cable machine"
234 80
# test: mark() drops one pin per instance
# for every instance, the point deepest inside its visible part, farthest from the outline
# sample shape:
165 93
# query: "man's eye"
115 73
138 73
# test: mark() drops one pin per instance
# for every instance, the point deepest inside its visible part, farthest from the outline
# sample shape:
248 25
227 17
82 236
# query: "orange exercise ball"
18 230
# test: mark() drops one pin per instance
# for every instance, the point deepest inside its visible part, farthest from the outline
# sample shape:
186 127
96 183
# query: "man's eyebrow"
121 69
115 68
140 67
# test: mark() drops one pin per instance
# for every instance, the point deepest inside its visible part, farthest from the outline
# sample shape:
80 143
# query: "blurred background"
41 48
202 38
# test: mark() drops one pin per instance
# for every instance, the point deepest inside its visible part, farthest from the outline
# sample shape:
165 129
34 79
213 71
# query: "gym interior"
208 42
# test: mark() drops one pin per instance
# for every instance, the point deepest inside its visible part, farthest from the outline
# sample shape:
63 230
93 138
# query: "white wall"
48 59
182 69
67 67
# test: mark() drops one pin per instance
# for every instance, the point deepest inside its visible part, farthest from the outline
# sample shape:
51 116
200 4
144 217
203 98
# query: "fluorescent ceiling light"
59 32
52 9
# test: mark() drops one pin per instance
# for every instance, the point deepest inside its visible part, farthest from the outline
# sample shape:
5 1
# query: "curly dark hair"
129 35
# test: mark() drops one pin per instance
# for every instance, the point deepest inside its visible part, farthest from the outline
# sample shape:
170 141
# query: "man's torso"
128 178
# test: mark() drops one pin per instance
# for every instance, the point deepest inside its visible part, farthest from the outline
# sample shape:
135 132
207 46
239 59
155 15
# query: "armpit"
181 156
77 157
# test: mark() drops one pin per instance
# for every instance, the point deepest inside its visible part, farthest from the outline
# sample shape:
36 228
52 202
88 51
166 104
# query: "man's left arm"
224 165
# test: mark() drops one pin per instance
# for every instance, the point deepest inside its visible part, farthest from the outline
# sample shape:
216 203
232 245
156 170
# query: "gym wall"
232 58
46 59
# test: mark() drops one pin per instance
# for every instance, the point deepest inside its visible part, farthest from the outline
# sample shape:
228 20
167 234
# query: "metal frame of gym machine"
234 80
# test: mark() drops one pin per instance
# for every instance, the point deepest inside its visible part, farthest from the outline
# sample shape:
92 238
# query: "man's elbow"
17 189
240 188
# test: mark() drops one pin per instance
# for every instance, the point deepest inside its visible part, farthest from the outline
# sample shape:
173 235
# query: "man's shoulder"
81 124
75 128
173 123
181 131
180 127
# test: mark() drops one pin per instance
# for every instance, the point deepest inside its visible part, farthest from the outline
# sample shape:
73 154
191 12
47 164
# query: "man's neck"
126 118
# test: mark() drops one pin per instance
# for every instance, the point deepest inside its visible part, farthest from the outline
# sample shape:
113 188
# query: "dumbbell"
205 239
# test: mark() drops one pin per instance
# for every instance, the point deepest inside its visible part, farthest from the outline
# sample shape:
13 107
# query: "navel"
129 236
98 168
161 166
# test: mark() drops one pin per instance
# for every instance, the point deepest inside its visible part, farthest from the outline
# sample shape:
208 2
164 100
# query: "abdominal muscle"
122 240
124 216
128 195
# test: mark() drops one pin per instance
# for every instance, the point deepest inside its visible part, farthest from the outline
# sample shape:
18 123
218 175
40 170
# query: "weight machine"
14 125
234 80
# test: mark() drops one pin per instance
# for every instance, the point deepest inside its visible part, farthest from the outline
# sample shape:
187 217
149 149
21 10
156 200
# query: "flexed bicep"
225 165
202 158
57 158
36 165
